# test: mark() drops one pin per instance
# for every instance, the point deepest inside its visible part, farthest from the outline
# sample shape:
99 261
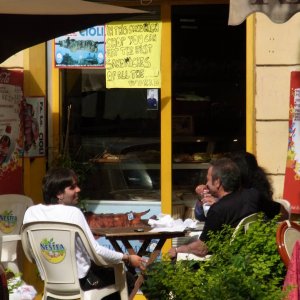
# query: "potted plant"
249 267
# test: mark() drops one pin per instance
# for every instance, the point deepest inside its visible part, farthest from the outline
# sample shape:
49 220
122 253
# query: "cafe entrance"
121 138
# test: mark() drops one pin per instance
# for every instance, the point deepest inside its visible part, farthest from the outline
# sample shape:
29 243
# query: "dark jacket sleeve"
214 222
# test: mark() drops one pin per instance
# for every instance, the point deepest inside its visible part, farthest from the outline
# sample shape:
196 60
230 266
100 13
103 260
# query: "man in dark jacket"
234 204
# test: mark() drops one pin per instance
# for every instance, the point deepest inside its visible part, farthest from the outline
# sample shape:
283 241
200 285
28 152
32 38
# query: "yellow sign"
133 52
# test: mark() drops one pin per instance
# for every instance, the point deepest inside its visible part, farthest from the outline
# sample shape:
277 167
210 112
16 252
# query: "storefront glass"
116 132
208 94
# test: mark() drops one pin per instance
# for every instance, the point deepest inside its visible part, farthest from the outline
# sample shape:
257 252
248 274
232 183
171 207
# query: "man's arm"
197 247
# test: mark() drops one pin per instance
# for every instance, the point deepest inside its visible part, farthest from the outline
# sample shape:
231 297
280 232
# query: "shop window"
119 134
208 93
209 70
115 132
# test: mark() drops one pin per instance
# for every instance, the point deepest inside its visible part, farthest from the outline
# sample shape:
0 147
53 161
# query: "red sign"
11 131
292 172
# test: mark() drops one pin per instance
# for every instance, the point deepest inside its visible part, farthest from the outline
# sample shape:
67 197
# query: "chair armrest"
10 237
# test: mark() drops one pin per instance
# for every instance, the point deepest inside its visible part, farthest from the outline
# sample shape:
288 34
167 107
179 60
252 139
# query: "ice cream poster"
79 49
34 126
11 136
292 171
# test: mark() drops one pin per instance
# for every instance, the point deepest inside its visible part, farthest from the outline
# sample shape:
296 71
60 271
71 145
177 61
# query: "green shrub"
249 267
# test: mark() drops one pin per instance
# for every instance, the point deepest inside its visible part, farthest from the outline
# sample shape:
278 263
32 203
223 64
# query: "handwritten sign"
133 51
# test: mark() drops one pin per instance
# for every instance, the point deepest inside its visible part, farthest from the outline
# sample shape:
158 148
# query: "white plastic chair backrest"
291 235
245 224
286 204
12 210
53 251
51 245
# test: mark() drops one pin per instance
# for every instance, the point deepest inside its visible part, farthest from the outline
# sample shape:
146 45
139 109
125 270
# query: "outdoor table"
143 234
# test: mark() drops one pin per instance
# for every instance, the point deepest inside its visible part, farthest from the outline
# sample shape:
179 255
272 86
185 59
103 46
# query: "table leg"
137 286
129 247
115 245
151 259
156 251
142 251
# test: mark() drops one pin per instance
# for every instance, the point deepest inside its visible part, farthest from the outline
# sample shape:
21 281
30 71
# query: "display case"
129 170
137 181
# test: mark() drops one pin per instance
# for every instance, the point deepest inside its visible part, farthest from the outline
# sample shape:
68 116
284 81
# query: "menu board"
133 54
11 136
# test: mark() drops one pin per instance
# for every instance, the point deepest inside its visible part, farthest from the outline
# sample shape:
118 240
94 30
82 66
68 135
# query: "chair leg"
120 280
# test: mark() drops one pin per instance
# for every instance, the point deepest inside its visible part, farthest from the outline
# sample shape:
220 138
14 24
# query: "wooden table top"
134 233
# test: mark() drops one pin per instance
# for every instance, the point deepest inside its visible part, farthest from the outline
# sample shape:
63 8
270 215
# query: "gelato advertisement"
79 49
11 131
292 172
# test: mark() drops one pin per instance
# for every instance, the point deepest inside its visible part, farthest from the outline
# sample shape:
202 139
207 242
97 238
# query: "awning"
25 23
279 11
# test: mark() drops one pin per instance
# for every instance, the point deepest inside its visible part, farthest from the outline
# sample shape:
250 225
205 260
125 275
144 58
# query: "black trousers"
100 277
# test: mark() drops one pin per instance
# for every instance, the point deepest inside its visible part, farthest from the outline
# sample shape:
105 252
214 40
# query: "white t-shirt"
72 214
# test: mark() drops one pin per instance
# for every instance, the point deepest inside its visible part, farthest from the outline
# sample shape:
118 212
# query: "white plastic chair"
51 245
12 210
243 224
286 204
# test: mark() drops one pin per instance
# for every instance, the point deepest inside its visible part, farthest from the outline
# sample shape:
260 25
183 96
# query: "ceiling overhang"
279 11
25 23
61 7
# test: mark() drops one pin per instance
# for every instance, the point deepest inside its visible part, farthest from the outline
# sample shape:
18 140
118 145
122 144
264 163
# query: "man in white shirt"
60 191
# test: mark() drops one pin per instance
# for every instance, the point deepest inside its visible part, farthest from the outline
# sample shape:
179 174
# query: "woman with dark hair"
254 176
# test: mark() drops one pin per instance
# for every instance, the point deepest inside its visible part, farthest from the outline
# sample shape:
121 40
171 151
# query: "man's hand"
209 200
204 196
200 189
172 252
135 261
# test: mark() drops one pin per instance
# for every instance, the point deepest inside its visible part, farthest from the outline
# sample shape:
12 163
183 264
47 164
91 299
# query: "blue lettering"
93 31
9 219
52 247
